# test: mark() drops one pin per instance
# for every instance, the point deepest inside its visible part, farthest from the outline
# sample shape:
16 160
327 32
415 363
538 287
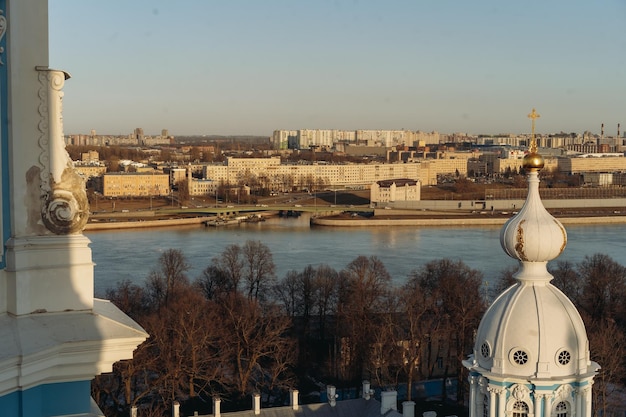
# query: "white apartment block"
280 138
253 163
286 177
386 138
328 138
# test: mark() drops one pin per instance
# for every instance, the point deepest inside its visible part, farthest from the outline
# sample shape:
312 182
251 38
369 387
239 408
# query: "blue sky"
253 66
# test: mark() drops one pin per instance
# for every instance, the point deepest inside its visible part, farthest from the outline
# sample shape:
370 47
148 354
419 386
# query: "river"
130 254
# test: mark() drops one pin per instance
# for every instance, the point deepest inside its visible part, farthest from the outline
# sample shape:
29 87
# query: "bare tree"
364 285
386 351
259 269
505 280
286 292
418 320
325 295
567 279
129 297
257 346
165 281
456 291
306 281
607 342
224 274
604 287
213 283
184 194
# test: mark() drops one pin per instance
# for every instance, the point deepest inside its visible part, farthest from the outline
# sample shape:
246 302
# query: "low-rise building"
88 171
389 191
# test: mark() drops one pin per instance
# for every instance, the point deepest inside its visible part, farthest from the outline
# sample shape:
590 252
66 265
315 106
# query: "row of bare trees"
237 329
229 343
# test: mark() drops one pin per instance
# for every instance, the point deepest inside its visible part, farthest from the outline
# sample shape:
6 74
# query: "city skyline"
249 68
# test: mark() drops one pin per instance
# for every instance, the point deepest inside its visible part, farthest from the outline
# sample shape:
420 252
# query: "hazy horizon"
244 67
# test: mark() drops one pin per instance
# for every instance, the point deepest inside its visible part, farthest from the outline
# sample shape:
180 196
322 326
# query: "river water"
130 254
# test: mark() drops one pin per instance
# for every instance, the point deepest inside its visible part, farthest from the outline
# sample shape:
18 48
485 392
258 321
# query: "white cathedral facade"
531 354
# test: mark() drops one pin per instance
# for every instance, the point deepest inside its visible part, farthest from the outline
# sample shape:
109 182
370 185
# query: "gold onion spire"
533 161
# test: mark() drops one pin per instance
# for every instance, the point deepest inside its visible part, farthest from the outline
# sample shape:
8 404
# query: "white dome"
532 331
533 234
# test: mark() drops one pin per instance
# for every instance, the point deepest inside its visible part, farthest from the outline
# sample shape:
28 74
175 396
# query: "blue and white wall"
54 336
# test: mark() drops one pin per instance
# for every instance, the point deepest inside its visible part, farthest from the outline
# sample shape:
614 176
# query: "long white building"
287 176
328 138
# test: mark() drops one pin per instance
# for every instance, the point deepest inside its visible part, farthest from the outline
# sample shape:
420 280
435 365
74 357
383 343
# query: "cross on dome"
533 235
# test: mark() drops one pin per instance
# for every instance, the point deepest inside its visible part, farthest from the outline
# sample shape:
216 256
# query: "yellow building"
284 177
90 170
595 163
135 184
431 168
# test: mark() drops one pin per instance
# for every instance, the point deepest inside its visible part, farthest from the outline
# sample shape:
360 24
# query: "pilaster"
54 336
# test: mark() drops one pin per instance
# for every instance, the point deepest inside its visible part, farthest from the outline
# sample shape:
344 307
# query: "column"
547 404
501 402
538 400
472 401
492 401
587 401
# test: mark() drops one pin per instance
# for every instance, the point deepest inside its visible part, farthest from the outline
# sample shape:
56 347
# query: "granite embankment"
429 213
418 219
449 221
109 225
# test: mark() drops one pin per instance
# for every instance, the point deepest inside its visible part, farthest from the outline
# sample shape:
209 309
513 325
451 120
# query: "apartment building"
134 184
329 138
593 163
431 168
286 177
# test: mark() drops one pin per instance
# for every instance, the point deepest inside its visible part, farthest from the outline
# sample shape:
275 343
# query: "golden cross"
533 143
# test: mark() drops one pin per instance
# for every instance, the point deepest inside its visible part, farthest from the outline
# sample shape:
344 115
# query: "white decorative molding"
566 394
519 393
3 31
63 347
64 208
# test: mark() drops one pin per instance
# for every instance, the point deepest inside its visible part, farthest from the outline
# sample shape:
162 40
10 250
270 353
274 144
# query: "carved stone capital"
64 208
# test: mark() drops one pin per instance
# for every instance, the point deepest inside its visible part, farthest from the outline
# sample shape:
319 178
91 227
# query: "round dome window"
485 350
519 356
563 357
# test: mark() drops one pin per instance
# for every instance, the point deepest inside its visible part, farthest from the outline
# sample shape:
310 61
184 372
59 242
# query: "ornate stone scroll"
3 30
65 208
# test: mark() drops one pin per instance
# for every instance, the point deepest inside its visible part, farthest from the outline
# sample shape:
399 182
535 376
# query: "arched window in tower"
520 409
561 409
485 405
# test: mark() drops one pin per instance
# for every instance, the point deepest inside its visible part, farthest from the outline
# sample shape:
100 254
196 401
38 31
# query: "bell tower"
531 353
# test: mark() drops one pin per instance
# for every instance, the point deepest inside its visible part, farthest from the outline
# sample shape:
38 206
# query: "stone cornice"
48 348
